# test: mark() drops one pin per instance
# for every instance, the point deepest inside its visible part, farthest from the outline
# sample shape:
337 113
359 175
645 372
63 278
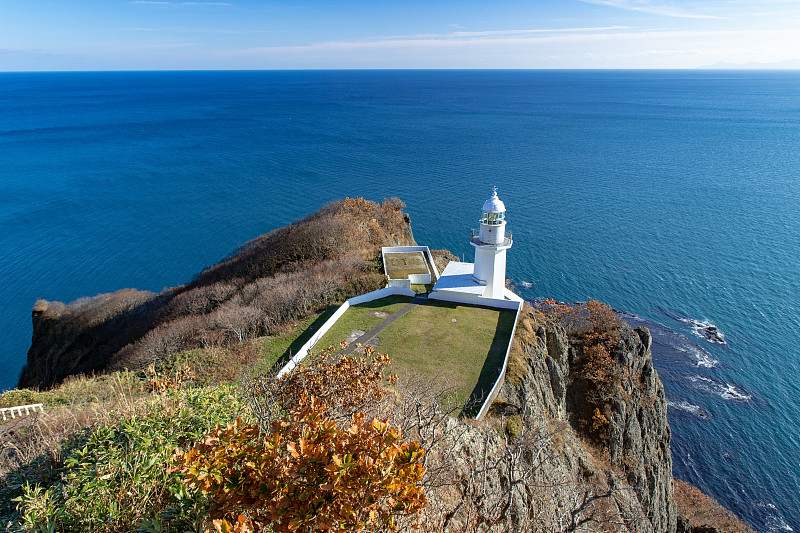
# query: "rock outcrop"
566 477
80 338
637 444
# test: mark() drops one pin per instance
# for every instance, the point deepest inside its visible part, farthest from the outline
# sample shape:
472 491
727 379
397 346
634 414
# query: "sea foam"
721 389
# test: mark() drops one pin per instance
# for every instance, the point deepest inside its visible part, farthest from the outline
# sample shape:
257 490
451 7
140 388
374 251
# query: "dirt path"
366 337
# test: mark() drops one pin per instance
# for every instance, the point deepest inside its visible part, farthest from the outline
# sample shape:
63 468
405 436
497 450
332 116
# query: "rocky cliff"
632 456
537 467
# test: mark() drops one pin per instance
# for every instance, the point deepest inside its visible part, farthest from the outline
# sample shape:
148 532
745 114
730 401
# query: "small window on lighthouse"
494 219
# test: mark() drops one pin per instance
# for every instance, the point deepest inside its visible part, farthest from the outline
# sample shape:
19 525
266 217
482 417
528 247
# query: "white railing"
17 410
475 237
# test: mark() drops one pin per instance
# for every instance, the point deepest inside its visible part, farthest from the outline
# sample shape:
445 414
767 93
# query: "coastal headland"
577 439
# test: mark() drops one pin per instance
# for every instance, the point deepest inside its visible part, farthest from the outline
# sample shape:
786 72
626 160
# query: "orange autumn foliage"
596 329
307 472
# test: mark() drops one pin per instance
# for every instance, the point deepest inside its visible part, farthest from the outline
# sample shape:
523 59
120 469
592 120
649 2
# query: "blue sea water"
672 195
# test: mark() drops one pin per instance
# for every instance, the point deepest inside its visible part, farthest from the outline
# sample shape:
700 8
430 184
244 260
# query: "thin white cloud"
32 51
524 32
648 6
178 29
513 40
156 3
497 33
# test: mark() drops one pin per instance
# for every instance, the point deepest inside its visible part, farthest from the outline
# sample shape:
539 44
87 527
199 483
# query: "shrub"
305 471
596 330
307 474
593 320
345 385
115 477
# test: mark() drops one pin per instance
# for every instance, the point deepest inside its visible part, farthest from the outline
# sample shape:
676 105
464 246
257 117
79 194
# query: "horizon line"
388 69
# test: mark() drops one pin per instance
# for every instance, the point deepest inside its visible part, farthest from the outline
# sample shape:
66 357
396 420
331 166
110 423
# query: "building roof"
457 277
494 204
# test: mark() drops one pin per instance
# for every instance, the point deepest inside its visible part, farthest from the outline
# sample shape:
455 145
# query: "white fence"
17 411
368 297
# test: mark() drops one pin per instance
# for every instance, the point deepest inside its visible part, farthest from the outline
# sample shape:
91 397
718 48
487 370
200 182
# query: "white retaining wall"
419 279
399 283
473 299
368 297
400 249
487 403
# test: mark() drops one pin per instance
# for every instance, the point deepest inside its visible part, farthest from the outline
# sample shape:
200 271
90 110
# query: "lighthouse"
484 281
491 243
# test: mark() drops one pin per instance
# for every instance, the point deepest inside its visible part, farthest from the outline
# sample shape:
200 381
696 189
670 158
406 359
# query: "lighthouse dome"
494 204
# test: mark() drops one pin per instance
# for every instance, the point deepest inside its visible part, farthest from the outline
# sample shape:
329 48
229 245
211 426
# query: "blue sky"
300 34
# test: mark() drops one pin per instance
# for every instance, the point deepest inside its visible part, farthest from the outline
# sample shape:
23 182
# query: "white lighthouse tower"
491 243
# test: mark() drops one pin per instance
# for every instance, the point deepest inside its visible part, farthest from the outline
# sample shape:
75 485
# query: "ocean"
671 195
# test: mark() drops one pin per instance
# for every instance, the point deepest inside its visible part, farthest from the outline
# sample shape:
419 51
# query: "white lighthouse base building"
484 281
457 284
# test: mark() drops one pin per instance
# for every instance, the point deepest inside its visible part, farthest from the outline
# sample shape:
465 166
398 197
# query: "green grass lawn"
276 351
422 289
360 317
468 352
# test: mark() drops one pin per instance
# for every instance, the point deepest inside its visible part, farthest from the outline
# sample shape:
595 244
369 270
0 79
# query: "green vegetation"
363 317
278 350
77 389
464 344
301 471
422 289
115 476
97 459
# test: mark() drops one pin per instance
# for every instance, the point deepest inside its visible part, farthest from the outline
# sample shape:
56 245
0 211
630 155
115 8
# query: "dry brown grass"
36 442
704 511
399 265
525 335
270 282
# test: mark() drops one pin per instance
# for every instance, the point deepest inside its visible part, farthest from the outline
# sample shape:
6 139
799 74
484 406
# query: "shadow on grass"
493 365
383 302
422 289
298 343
